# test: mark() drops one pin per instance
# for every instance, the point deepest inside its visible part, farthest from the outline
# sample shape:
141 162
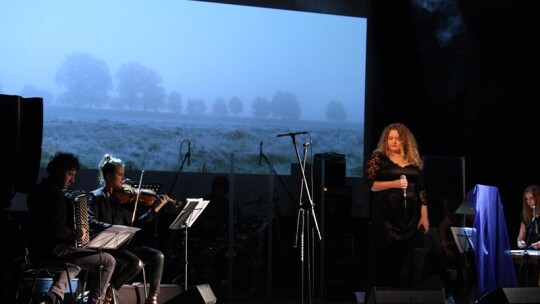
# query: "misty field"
158 141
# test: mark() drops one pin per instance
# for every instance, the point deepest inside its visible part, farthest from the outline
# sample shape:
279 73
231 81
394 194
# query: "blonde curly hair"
410 147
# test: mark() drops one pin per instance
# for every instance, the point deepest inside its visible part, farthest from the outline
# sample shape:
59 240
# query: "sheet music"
193 208
112 237
463 236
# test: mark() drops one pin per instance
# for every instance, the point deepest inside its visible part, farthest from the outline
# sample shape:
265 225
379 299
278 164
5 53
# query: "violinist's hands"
521 244
163 199
535 245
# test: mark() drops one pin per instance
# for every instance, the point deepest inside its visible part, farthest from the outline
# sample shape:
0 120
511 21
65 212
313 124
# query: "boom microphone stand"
306 213
525 257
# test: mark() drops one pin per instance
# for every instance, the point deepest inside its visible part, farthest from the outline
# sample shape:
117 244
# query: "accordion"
78 213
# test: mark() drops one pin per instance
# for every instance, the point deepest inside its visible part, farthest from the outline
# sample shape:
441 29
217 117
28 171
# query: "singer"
393 174
528 236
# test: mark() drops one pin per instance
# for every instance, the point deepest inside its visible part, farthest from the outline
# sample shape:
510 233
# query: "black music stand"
191 211
156 187
111 238
462 237
150 186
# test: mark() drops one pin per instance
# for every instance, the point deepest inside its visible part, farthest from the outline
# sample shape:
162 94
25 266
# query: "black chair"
14 252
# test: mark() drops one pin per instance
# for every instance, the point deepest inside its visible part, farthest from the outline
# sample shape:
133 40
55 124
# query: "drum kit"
211 258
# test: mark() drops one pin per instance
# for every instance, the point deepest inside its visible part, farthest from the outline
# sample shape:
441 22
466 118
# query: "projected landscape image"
141 79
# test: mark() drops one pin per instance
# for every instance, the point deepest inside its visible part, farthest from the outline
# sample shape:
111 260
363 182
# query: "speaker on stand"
21 132
333 203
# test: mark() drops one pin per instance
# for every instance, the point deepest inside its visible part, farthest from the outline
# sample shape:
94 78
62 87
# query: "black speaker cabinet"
200 294
512 295
21 132
334 169
400 296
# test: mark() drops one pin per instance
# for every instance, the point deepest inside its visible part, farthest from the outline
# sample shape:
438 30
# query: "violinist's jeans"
88 259
133 260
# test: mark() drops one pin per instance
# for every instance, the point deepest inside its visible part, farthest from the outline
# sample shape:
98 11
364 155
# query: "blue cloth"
495 269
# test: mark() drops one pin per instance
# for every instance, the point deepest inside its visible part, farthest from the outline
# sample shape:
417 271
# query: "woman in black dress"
528 236
394 175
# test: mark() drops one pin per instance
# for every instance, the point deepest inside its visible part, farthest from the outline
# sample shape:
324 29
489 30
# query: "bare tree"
285 105
86 81
335 111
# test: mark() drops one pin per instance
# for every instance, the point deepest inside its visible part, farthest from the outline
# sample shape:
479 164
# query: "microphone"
292 134
188 153
404 190
260 152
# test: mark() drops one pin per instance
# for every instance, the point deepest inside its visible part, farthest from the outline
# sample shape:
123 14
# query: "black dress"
394 220
529 277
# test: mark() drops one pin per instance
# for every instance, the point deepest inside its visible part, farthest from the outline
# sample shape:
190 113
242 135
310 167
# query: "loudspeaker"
512 295
21 127
334 169
200 294
399 296
134 294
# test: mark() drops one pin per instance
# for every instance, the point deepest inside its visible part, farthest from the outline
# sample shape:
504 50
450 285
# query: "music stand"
112 237
462 237
191 211
150 186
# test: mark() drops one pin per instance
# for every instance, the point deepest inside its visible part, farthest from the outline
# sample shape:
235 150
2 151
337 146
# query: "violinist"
107 207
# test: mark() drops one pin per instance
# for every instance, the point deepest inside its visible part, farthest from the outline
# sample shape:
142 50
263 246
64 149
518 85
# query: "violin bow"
137 198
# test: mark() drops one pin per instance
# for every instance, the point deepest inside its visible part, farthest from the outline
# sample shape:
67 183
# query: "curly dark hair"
60 163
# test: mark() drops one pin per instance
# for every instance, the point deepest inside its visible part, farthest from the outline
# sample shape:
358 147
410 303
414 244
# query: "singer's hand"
535 245
402 183
521 244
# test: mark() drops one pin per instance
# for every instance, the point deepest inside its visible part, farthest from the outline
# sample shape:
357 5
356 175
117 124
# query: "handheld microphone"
260 152
292 134
404 190
188 153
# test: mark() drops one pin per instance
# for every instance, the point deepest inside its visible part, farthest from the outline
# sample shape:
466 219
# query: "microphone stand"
305 213
270 219
186 156
278 177
525 257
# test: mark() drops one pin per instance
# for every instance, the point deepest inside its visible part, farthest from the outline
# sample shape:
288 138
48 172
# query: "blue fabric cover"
495 269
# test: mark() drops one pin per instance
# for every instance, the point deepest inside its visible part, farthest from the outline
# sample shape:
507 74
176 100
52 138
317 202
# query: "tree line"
87 83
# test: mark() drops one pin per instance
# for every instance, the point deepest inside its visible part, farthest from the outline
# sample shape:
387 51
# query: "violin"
129 194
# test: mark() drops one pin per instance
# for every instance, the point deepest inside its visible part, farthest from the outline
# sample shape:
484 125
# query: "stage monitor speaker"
512 295
200 294
401 296
134 294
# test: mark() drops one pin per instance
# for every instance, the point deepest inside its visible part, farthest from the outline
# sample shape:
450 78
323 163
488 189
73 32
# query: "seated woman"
106 209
